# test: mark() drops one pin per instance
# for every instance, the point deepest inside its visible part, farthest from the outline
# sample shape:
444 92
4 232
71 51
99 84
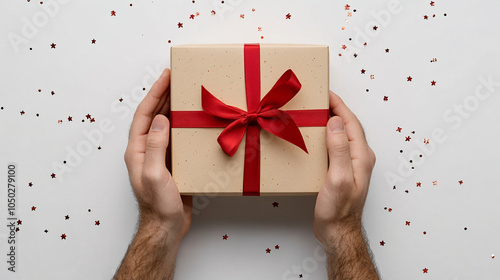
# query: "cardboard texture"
199 165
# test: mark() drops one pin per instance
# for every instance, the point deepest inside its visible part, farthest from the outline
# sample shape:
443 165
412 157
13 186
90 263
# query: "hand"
340 202
160 203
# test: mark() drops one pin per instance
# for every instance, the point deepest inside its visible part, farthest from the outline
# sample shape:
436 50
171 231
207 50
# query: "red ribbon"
263 113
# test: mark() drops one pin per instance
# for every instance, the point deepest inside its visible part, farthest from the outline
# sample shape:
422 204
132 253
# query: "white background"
130 51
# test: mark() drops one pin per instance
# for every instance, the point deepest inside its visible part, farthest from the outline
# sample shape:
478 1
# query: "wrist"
160 232
342 234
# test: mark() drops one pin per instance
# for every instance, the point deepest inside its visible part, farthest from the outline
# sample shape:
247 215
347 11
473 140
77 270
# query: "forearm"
348 256
151 255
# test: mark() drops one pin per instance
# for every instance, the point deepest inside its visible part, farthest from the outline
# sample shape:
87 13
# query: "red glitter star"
347 6
344 47
70 119
432 3
19 222
390 209
88 116
121 99
242 16
276 204
113 13
407 223
93 41
22 112
363 71
398 129
386 50
460 182
63 236
268 251
92 120
30 184
288 16
97 222
409 78
419 184
425 270
53 175
426 17
407 138
277 247
433 83
426 141
66 217
33 208
382 243
224 237
17 229
180 25
191 16
386 98
375 28
52 46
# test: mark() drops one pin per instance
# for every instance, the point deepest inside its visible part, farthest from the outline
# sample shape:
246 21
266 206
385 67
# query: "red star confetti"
88 116
93 41
30 184
426 17
63 236
180 25
276 204
382 243
22 112
407 223
191 16
409 78
460 182
268 251
398 129
433 83
426 141
375 28
97 222
224 237
113 13
53 175
52 93
347 6
242 16
19 222
66 217
344 47
92 120
33 208
432 3
288 16
419 184
386 98
425 270
277 247
363 71
386 50
407 138
52 46
390 209
70 118
17 229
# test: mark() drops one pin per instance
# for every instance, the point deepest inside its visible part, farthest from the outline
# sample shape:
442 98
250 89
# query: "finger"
353 126
154 168
165 109
340 172
145 111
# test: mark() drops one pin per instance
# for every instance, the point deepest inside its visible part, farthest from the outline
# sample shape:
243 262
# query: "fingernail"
336 124
158 124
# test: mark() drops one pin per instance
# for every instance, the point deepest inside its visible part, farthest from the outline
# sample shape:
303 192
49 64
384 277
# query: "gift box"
249 119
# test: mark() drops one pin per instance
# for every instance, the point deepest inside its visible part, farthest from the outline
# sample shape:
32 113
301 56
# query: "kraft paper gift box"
218 97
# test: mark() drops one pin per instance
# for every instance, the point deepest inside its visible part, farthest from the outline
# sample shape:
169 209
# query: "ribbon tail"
230 138
283 126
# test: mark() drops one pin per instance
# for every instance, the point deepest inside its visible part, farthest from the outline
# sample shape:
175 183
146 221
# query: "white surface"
132 47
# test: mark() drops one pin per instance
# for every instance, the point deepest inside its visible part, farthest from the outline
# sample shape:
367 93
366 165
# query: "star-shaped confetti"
277 247
19 222
426 17
386 50
288 16
93 41
432 3
224 237
409 78
113 13
66 217
276 204
433 83
52 46
386 98
382 243
268 251
347 6
419 184
63 236
22 112
407 223
398 129
460 182
375 28
363 71
191 16
53 175
70 119
425 270
30 184
180 25
407 138
97 223
33 208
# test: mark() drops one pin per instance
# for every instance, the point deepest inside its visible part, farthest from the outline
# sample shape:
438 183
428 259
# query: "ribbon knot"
268 116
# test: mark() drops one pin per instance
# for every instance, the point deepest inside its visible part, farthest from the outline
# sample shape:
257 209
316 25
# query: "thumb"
339 154
156 146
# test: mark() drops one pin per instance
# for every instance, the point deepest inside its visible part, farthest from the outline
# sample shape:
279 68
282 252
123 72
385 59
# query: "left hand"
159 200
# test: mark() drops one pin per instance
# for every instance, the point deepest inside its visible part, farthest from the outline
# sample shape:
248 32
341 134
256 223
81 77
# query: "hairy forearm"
348 256
151 255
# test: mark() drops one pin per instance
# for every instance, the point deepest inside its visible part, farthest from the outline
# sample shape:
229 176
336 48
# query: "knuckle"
149 177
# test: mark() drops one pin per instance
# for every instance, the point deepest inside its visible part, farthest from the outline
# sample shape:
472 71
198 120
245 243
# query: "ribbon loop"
268 115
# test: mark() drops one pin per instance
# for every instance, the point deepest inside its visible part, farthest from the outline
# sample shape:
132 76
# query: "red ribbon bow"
267 116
